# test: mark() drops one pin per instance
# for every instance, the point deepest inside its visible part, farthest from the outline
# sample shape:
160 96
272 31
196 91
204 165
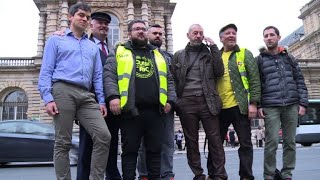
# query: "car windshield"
312 116
26 128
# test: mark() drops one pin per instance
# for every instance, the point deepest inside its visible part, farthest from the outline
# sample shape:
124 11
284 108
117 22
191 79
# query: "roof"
293 37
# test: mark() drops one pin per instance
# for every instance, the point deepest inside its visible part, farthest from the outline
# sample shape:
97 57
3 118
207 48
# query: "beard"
157 43
271 46
139 42
196 42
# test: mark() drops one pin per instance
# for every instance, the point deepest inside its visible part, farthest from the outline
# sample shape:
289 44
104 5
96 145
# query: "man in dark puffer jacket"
284 96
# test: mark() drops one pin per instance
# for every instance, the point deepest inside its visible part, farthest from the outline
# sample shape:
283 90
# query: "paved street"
308 166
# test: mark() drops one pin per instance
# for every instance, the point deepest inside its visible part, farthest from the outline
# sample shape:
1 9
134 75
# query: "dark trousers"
260 143
242 126
191 110
179 144
85 151
148 125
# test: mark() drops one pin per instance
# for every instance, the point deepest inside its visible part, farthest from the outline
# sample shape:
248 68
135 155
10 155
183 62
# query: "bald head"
195 34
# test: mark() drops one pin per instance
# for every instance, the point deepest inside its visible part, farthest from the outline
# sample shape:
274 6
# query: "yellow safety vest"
242 70
124 69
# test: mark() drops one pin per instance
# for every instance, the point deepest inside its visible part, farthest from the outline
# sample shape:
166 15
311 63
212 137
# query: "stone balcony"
9 62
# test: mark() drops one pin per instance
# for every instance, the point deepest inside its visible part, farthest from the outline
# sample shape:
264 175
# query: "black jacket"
282 82
111 81
211 68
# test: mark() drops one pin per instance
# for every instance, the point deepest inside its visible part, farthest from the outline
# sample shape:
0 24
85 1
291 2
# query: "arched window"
14 106
114 30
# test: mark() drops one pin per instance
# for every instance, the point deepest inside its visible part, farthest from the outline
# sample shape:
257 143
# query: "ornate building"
19 96
306 46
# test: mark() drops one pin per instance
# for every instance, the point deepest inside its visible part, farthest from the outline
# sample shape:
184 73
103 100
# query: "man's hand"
58 33
103 110
115 106
167 108
302 110
252 111
209 41
51 108
260 113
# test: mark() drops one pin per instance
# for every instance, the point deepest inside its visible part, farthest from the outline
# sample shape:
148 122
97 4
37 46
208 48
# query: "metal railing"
309 63
16 62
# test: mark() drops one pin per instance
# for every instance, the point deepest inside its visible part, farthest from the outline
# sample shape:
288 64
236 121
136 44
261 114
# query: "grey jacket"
111 88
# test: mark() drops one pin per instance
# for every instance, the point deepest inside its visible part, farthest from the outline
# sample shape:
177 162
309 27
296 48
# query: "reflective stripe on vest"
162 72
125 65
242 70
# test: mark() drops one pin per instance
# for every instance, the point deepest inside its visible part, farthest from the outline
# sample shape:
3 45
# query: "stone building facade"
306 47
19 96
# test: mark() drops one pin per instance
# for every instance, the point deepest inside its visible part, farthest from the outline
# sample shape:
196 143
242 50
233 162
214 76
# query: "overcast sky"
19 30
250 16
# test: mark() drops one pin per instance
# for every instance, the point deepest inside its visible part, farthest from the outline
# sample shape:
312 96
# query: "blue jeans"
166 152
85 151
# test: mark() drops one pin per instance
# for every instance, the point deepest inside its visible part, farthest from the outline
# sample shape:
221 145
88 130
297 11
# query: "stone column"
64 15
169 40
41 33
130 11
52 19
144 13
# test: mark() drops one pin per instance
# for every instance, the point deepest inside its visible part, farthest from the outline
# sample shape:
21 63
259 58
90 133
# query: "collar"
236 48
97 41
68 32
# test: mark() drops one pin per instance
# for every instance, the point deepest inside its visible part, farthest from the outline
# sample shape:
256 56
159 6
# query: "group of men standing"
136 86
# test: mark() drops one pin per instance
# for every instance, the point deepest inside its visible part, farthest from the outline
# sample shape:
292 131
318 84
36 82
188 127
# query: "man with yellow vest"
239 89
139 87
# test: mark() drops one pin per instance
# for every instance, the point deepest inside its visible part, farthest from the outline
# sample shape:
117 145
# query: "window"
8 128
114 30
35 128
255 123
312 115
14 106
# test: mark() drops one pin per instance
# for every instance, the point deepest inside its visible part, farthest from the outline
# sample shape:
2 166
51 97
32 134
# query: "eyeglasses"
155 33
139 29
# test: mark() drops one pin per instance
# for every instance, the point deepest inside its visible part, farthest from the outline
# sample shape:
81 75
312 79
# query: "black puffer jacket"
282 82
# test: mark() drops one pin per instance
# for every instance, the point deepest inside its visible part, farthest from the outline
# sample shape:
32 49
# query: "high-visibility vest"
125 65
242 70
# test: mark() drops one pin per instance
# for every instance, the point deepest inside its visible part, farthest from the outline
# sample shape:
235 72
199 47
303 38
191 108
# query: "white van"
308 131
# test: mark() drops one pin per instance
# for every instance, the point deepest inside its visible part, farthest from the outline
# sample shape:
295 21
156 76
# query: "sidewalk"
228 148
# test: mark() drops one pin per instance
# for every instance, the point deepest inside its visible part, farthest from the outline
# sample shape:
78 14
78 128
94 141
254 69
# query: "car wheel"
3 163
73 157
306 144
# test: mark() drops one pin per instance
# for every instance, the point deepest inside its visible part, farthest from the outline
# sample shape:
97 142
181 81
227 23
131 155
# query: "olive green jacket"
253 78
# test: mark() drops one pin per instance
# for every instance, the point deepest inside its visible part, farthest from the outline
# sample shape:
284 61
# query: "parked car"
280 136
30 141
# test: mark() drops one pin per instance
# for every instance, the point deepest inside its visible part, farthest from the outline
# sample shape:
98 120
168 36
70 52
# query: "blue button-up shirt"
70 60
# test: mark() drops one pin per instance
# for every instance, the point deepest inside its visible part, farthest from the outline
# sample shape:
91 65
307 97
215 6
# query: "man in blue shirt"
71 66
